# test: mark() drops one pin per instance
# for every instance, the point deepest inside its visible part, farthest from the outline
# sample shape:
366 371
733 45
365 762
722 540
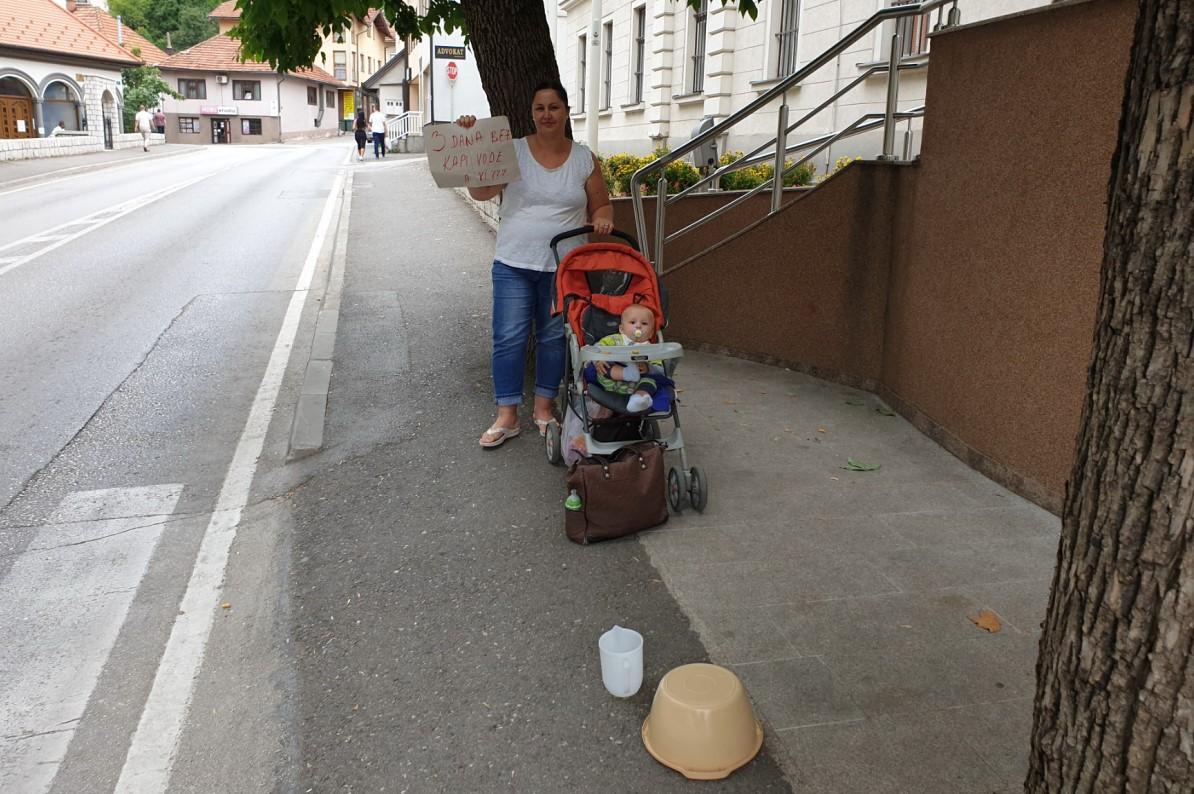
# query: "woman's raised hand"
466 121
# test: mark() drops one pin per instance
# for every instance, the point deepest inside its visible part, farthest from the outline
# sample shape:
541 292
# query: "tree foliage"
143 85
185 20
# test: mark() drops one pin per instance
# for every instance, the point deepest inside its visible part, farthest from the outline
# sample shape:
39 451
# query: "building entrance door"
221 131
16 118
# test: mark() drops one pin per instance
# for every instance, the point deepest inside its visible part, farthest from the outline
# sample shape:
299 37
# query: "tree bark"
513 47
1114 704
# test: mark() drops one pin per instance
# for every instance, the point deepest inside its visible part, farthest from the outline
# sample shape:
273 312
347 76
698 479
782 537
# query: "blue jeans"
379 145
521 300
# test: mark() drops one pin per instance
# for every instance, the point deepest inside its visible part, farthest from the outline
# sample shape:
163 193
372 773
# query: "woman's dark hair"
361 120
552 85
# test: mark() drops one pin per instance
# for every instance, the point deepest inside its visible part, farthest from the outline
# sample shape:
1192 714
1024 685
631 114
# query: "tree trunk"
513 47
1114 704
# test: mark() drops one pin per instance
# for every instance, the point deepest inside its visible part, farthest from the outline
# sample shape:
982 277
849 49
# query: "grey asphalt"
19 172
403 611
132 356
445 628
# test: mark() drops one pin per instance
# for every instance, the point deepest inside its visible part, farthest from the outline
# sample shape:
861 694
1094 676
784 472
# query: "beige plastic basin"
701 723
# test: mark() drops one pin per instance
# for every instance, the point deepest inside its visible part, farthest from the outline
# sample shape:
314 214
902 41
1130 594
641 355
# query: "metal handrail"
820 143
405 125
779 89
749 159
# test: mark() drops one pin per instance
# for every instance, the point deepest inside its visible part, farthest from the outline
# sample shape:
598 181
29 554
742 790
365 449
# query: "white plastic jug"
621 661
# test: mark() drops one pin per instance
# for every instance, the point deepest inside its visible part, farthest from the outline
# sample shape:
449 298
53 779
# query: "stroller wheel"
551 444
675 491
698 489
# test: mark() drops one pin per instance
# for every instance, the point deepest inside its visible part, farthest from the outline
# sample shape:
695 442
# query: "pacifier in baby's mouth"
638 333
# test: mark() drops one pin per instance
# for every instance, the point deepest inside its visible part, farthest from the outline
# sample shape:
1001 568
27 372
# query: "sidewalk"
16 172
843 599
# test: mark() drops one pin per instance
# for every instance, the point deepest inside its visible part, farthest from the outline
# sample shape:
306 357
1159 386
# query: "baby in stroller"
617 391
640 381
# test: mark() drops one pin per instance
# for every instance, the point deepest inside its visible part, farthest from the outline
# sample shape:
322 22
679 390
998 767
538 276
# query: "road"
184 610
144 309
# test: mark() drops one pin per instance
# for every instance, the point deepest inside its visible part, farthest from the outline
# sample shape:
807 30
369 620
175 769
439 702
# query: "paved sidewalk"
16 172
843 599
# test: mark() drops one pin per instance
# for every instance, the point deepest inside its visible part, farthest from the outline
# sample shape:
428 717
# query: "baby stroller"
595 283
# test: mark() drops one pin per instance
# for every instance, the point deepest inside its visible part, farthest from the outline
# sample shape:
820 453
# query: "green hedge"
619 168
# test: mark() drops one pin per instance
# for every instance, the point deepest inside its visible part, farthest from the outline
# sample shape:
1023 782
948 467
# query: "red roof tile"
97 18
220 54
43 25
225 10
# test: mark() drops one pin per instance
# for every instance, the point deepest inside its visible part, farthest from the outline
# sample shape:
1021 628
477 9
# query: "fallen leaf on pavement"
857 465
987 621
822 430
225 605
879 409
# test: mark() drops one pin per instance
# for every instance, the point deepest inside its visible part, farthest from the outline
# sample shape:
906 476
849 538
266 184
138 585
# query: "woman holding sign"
561 188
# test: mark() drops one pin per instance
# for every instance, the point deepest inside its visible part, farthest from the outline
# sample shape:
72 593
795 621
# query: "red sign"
452 70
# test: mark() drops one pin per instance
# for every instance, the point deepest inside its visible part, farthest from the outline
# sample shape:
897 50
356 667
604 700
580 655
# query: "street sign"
450 51
452 71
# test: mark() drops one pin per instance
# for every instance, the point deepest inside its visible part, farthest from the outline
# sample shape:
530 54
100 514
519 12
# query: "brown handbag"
620 494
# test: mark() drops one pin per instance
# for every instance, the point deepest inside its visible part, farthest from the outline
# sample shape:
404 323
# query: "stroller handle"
559 238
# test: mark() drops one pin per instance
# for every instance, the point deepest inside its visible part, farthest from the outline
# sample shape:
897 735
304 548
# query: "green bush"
620 168
752 176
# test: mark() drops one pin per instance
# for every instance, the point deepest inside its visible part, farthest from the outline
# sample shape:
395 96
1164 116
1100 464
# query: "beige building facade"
665 67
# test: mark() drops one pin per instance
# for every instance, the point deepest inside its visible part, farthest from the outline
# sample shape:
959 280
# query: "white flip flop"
503 434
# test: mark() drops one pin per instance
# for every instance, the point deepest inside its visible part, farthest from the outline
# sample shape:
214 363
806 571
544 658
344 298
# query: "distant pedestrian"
61 128
362 134
144 123
159 121
377 123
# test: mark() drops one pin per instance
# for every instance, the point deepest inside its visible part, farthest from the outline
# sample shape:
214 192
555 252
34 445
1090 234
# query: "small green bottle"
573 501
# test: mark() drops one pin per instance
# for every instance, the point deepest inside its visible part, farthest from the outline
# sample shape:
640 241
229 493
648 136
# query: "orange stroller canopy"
572 283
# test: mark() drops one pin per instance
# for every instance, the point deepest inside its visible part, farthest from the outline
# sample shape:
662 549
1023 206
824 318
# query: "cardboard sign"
479 156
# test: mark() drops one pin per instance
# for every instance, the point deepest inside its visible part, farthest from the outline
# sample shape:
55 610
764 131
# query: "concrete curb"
90 167
306 431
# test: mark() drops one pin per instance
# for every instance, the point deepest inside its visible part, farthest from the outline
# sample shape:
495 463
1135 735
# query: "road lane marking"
93 222
89 170
150 759
62 605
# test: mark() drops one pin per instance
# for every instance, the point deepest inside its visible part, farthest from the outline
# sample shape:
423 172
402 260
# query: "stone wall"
67 145
488 210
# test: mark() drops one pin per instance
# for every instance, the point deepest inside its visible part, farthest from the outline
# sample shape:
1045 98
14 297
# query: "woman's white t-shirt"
545 202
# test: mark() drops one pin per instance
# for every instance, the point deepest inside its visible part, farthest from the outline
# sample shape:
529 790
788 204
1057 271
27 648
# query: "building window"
913 30
193 89
340 65
247 89
787 37
188 125
582 54
312 95
331 99
250 126
699 22
639 49
607 66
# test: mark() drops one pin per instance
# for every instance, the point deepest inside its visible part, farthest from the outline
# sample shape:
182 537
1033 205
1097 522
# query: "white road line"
88 171
62 606
150 759
101 218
